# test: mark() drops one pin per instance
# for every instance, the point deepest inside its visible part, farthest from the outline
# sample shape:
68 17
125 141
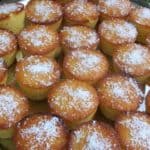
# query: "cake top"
8 42
115 8
37 71
81 10
7 9
82 64
118 31
94 135
79 37
13 106
43 11
38 40
137 127
133 59
73 99
141 16
120 92
41 130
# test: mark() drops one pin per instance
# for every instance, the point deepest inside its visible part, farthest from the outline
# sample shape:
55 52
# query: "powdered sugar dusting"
139 130
78 37
42 133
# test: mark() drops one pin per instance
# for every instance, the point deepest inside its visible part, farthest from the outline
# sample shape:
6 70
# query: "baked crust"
41 130
37 72
38 40
148 41
13 106
118 31
120 93
43 12
3 69
72 100
94 135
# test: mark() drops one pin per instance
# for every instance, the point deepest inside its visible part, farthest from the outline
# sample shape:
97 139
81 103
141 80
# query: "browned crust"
127 67
80 18
23 107
13 42
59 143
20 8
94 126
28 46
124 104
120 9
3 70
66 111
148 100
22 78
148 41
72 60
124 132
37 21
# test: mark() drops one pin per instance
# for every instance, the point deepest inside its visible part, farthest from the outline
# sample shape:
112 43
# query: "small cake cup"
118 94
12 17
44 12
13 107
35 75
8 47
111 9
81 12
133 59
78 37
94 135
85 65
39 40
140 17
114 33
74 101
41 131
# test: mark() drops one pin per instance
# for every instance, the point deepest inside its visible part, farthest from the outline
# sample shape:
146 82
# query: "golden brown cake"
114 33
13 107
35 75
75 101
133 59
8 46
39 40
94 135
148 41
81 12
81 37
134 131
85 65
114 9
148 102
41 132
44 12
12 17
118 94
3 72
140 17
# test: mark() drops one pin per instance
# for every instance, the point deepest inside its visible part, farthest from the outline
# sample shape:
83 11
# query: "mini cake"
75 101
114 33
134 131
141 19
118 94
35 75
85 65
148 102
12 17
41 131
114 9
81 12
13 107
44 12
78 37
39 40
94 136
148 41
8 47
3 72
133 59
